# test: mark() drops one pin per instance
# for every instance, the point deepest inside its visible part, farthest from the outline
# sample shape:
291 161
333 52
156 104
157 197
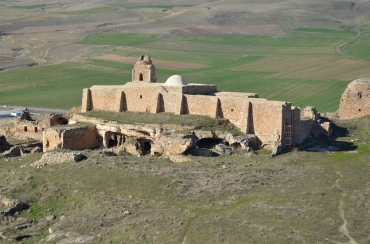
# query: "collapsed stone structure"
355 101
274 124
26 127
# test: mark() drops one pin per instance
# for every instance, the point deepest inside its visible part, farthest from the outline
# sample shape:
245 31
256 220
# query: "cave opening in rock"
236 146
112 140
208 143
145 146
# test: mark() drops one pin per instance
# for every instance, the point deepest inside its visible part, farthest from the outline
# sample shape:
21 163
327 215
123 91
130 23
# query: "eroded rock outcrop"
9 206
140 139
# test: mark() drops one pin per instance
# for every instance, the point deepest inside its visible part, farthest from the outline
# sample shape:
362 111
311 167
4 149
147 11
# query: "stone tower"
144 70
355 101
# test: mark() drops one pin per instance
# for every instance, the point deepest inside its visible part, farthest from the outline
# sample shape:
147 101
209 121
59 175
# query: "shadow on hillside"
321 143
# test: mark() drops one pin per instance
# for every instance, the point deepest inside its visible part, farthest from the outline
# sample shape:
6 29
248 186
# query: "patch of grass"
119 39
160 6
92 11
32 6
196 121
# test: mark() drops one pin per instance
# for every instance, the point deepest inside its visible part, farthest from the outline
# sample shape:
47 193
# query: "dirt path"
343 228
358 35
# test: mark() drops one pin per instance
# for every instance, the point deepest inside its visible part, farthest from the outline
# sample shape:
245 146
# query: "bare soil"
4 58
158 62
231 30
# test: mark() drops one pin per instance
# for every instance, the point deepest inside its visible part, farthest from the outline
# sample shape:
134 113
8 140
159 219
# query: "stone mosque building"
274 123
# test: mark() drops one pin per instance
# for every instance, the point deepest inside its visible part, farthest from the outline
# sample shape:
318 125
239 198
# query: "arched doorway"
141 77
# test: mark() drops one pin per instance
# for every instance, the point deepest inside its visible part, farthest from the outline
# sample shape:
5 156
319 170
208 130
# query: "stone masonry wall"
199 89
267 120
236 110
170 102
303 130
80 138
76 138
86 100
107 99
145 99
145 73
201 105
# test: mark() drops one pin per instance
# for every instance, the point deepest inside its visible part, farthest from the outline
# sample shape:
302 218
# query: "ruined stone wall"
51 139
236 110
80 138
303 130
354 104
199 89
28 129
76 138
200 105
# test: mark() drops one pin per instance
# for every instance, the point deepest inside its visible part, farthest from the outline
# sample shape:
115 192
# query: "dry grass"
237 199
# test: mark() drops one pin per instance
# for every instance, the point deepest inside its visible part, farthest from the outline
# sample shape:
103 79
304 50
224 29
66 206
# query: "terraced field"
251 47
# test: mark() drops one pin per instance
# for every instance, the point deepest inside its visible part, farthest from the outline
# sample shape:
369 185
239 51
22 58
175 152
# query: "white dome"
176 80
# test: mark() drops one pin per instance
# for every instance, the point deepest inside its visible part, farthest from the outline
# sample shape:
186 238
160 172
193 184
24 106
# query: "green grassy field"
54 86
361 48
92 11
305 68
159 6
32 6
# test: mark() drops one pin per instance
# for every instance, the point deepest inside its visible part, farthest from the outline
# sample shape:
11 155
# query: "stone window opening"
232 110
25 128
36 130
141 77
359 110
141 96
